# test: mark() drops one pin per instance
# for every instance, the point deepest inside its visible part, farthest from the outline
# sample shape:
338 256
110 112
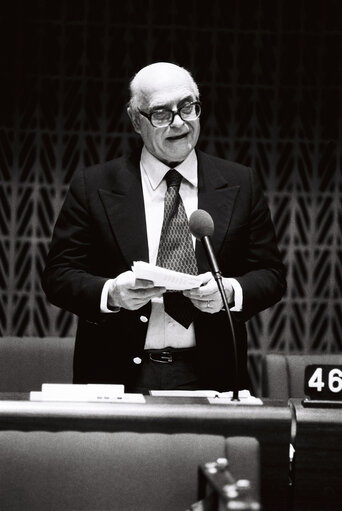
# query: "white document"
90 393
213 396
69 388
184 393
88 397
170 279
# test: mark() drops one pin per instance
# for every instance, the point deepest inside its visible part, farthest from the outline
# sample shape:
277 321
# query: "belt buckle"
165 357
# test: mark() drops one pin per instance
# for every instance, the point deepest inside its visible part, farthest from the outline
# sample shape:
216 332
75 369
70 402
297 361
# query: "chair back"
28 362
283 375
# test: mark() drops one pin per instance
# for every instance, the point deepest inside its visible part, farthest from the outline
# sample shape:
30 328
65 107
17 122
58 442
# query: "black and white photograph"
171 255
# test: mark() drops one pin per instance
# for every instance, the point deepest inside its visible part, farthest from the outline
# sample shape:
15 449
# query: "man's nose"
177 121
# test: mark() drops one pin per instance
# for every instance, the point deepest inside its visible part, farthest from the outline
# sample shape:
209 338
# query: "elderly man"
136 208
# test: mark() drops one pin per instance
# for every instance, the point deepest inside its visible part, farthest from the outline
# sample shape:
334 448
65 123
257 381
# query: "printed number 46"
334 380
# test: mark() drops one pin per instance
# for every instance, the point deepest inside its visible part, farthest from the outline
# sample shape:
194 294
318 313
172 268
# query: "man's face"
172 143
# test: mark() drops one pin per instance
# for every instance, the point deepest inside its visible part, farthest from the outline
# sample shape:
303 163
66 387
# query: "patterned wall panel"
270 75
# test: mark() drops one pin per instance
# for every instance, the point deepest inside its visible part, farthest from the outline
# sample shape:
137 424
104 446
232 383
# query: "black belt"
169 355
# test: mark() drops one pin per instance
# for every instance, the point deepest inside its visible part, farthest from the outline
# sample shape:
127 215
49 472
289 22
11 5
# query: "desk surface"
171 414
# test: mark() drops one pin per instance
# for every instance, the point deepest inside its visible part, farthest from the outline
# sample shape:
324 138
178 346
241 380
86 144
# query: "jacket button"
137 360
143 319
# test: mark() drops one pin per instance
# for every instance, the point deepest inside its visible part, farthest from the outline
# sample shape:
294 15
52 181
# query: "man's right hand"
130 293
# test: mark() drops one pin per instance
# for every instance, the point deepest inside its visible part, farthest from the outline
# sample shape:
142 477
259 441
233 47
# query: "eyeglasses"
164 117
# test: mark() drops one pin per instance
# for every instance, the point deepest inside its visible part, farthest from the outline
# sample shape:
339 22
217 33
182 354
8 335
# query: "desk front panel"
318 458
163 417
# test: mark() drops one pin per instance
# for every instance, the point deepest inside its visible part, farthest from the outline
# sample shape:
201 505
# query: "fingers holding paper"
130 293
207 297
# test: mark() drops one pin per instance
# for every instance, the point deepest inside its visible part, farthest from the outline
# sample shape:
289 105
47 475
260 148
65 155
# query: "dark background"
270 77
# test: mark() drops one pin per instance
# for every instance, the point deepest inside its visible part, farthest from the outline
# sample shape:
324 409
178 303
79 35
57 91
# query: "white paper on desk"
78 392
86 397
184 393
213 396
245 398
170 279
72 388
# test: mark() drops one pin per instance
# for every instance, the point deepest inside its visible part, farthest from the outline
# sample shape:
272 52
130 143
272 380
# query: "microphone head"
201 224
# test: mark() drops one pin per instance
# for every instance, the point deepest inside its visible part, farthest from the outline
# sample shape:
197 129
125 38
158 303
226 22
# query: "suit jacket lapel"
124 206
217 197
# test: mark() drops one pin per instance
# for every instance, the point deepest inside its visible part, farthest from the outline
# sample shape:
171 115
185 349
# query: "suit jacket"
100 232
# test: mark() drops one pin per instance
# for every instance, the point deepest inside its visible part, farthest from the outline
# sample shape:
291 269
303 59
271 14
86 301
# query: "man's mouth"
178 137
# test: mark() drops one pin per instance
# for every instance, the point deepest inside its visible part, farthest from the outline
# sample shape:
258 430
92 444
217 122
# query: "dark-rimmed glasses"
164 117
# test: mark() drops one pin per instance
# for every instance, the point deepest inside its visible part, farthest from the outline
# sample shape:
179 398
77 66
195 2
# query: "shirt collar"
155 170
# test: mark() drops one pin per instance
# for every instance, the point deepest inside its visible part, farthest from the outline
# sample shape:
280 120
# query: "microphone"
201 227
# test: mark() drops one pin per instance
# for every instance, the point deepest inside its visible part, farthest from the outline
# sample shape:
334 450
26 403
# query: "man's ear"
135 119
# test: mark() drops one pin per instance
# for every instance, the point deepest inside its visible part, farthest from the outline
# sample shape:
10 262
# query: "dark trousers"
180 374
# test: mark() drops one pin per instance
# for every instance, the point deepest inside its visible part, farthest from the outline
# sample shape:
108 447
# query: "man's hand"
207 298
131 293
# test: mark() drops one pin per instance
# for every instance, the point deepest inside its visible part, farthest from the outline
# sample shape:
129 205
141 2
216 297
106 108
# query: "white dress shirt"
163 330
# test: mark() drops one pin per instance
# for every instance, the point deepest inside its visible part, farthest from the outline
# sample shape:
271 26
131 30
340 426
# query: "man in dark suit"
113 216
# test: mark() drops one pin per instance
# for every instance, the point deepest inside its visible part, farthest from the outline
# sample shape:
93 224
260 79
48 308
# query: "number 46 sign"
323 382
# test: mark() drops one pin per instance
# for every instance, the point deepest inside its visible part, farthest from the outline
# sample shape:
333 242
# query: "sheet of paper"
219 400
213 396
67 388
184 393
92 393
86 397
171 280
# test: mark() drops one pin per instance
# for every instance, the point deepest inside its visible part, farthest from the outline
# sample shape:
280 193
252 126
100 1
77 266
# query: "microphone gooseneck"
202 228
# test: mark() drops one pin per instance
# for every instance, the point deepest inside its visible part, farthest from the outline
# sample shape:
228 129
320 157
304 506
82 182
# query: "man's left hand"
207 298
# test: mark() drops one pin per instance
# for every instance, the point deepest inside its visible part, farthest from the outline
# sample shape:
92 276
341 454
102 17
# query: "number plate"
323 382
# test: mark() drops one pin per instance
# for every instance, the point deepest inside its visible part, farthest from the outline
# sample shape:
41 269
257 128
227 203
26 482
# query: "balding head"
158 76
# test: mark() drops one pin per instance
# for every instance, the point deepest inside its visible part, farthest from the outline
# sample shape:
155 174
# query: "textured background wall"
270 75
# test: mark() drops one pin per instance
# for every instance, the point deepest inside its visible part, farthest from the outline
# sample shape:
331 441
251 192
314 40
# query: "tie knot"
173 178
